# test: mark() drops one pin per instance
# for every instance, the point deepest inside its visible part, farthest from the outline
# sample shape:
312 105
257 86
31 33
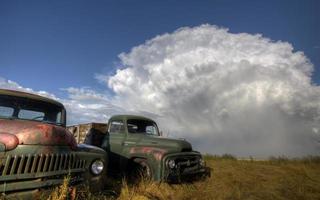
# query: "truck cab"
37 151
135 141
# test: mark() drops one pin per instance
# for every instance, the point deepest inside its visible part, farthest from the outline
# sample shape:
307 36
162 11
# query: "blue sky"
48 45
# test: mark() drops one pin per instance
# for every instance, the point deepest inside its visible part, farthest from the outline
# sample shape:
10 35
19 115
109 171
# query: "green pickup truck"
134 144
37 151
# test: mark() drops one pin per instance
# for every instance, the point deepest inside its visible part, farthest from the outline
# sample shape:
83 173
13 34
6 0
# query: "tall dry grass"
276 178
61 192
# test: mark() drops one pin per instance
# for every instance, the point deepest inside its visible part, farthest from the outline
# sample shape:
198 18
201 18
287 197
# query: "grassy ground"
277 178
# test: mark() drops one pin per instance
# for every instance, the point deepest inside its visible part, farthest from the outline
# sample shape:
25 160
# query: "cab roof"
130 117
15 93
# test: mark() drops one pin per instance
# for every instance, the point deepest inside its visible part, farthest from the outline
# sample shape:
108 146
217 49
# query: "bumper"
189 176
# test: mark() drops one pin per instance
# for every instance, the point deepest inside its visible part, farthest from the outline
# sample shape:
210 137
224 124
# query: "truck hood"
35 133
172 145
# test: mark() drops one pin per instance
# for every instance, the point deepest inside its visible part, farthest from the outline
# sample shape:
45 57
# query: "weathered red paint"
9 140
156 152
31 132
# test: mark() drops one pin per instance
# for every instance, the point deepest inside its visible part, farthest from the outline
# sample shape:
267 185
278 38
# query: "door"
117 136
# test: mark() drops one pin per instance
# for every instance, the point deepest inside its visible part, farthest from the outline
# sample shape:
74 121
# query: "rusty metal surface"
32 132
9 141
155 152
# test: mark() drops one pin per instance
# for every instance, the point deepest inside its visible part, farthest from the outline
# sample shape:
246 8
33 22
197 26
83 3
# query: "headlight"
202 162
171 164
97 167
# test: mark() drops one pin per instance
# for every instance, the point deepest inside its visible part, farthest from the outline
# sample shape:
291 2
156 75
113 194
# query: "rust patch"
31 132
157 153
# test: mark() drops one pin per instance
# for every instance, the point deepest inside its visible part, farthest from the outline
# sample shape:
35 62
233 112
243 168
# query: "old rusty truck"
37 151
135 145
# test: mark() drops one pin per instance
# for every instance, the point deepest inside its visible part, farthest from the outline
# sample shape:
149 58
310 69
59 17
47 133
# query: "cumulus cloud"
228 93
86 105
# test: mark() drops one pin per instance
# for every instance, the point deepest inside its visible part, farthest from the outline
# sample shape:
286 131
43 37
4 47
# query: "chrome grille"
186 166
39 163
186 162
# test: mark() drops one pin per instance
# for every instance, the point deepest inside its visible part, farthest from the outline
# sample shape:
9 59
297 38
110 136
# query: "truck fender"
142 167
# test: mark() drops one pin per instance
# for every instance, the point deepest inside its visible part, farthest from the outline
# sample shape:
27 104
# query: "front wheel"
143 170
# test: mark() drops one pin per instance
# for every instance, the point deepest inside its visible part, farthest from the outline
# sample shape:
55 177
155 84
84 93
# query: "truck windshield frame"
12 107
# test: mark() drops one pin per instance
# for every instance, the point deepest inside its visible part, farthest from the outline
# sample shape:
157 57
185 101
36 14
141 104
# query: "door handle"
127 143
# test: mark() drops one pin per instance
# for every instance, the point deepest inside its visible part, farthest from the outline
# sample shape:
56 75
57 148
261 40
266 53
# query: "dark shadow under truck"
37 151
134 145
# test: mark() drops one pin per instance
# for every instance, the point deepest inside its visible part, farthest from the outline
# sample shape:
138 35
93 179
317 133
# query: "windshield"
142 126
22 108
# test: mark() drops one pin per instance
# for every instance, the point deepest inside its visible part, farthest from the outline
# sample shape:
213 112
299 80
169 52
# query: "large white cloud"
229 93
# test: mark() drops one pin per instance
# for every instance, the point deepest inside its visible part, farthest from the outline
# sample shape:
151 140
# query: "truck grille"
39 163
186 163
185 166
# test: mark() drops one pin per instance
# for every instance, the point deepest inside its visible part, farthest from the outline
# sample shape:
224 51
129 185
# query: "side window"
6 111
30 114
151 130
116 126
132 128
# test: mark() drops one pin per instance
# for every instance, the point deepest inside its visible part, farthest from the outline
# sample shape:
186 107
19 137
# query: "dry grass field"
276 178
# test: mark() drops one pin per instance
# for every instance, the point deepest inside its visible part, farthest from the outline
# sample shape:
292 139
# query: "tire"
143 170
